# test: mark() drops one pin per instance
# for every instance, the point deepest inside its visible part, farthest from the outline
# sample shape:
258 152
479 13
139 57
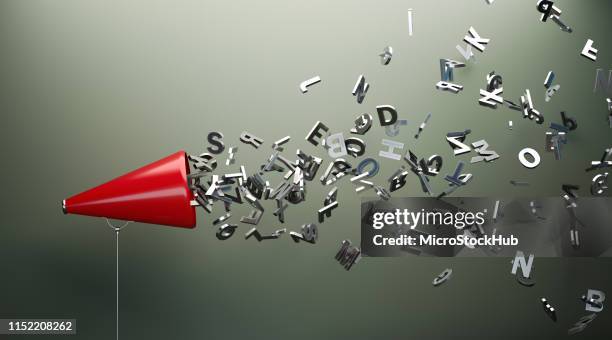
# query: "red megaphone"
156 193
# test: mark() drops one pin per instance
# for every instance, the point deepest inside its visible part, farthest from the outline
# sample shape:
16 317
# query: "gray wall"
92 89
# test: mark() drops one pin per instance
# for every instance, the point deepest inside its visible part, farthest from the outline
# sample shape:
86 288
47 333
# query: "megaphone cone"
157 193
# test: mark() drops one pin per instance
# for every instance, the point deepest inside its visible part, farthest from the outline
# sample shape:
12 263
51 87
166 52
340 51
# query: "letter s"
479 218
215 138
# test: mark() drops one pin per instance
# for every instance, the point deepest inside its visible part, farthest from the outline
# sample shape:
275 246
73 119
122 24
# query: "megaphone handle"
117 230
117 278
108 222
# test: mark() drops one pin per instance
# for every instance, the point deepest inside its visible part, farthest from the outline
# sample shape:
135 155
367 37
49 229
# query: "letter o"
525 162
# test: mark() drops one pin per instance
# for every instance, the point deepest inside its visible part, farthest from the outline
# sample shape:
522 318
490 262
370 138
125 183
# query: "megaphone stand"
117 230
157 193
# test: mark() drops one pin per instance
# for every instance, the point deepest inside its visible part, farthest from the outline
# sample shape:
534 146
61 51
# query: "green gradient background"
92 89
